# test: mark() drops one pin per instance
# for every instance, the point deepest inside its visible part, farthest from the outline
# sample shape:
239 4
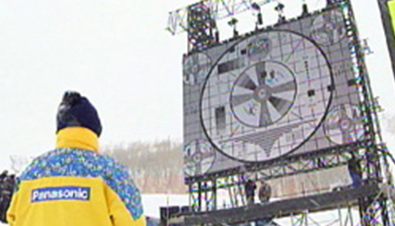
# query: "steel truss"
311 210
373 211
343 217
287 166
203 191
203 195
200 27
374 214
220 9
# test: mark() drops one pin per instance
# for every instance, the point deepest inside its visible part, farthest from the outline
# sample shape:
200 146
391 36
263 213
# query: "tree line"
156 167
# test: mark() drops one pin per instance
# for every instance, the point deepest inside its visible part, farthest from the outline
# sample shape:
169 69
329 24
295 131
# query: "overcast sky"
119 55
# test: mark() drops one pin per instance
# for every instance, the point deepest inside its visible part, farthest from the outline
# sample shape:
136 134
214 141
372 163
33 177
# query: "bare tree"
156 167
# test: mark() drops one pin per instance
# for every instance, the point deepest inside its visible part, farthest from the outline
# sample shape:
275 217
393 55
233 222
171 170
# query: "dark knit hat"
76 110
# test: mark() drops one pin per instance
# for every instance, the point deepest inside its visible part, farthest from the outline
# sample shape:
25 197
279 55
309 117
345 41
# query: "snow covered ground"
152 202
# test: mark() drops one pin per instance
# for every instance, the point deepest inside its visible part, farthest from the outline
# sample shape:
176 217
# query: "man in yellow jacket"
74 185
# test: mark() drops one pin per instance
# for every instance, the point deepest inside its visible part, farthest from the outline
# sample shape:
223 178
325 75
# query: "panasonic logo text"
60 193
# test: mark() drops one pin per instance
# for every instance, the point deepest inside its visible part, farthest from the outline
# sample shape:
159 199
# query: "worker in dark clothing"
7 187
264 194
265 191
3 175
355 171
249 188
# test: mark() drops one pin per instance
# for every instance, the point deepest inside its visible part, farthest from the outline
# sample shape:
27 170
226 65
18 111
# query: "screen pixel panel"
282 91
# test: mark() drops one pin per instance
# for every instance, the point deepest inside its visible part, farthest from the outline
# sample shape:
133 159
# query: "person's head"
353 156
76 111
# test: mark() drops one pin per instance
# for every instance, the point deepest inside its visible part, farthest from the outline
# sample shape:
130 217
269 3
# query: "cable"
388 153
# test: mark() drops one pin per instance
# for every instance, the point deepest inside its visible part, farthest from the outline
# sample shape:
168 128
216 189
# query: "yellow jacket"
74 185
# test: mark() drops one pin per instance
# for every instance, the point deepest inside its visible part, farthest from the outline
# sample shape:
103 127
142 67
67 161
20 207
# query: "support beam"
285 208
388 28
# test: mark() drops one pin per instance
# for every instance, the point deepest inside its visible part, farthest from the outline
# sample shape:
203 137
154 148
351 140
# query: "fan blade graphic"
247 83
285 87
265 118
241 99
281 105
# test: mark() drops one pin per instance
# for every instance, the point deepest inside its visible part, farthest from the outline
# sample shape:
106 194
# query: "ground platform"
340 197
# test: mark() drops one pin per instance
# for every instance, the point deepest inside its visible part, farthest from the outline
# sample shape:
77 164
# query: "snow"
152 202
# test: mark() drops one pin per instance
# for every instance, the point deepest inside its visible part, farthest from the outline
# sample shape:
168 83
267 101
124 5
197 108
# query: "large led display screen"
285 90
